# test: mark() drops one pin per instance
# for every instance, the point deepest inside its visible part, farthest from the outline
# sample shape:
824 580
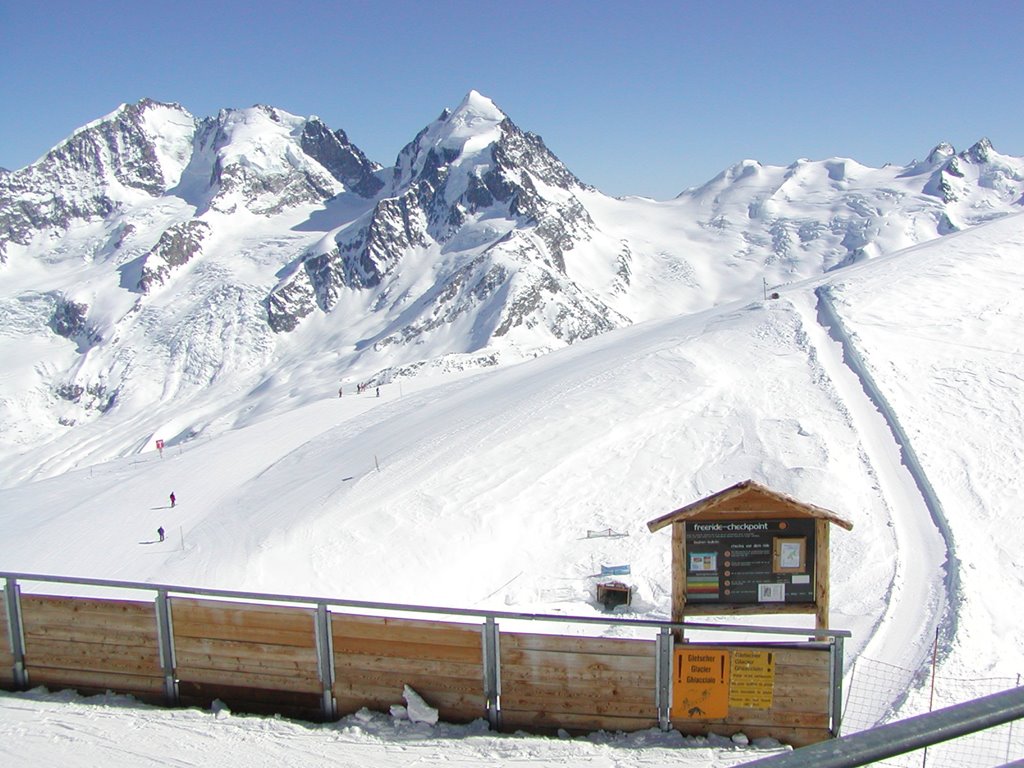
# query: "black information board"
750 561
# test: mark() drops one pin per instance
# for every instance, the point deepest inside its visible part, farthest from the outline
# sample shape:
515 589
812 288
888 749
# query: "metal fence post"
325 660
492 671
663 678
165 639
835 690
12 604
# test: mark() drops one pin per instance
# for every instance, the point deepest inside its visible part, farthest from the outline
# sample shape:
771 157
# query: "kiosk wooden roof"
747 499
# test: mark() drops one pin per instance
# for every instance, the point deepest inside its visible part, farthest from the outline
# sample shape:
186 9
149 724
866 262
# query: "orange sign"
700 686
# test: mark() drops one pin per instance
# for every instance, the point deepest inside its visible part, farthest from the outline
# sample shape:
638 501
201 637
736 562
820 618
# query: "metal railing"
905 736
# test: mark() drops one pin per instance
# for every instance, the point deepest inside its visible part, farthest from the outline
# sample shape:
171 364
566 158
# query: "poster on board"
750 561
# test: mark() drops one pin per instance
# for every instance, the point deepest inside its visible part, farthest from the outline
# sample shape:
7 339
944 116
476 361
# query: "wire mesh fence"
877 693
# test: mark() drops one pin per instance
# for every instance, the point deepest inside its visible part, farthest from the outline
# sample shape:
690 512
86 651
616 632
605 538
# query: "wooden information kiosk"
750 550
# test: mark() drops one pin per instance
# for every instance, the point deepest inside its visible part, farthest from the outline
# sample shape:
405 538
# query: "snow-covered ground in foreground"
39 729
888 392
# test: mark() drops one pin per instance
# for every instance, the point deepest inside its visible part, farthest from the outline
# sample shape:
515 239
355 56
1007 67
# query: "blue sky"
635 97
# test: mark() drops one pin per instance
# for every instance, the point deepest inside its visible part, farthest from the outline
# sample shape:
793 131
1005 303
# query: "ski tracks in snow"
923 586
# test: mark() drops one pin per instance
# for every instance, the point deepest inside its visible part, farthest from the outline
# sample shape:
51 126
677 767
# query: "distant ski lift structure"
606 533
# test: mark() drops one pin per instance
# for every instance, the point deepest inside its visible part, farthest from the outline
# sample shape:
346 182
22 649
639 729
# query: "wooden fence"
313 663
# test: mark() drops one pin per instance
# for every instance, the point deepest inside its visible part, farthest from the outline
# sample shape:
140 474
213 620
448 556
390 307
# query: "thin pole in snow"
931 696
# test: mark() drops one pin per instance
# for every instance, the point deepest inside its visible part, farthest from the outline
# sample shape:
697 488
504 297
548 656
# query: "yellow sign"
700 687
753 679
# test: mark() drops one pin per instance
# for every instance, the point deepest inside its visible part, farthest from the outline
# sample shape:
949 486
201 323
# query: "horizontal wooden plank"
810 699
801 678
379 649
260 652
579 705
372 664
247 635
264 681
406 630
535 721
91 635
102 681
577 644
514 674
127 631
86 609
578 663
88 656
243 621
93 664
276 667
589 691
352 682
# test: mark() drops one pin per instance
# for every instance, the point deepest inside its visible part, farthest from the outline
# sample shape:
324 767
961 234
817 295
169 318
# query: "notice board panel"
751 561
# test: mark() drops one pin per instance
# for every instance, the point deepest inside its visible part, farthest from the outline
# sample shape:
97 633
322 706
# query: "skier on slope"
160 532
172 499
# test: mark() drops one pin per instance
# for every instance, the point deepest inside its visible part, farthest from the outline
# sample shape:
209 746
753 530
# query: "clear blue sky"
635 97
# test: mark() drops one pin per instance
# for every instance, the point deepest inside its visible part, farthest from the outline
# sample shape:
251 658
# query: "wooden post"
678 576
821 568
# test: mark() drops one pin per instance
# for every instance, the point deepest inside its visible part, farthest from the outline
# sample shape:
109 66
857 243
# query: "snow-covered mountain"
157 269
548 360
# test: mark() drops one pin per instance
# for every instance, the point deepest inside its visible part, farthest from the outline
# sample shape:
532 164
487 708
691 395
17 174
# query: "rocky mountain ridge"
158 263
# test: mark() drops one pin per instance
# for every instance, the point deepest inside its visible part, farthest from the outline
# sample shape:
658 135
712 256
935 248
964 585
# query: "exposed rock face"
176 247
261 159
93 171
70 320
344 160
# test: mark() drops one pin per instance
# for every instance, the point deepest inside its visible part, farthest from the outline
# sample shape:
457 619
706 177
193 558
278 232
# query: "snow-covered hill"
165 274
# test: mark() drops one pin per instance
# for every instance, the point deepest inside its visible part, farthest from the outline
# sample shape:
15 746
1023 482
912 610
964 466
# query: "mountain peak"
471 125
941 153
478 105
981 152
470 128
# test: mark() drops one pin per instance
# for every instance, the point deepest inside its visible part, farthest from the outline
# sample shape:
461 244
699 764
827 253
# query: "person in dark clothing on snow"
160 532
172 499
